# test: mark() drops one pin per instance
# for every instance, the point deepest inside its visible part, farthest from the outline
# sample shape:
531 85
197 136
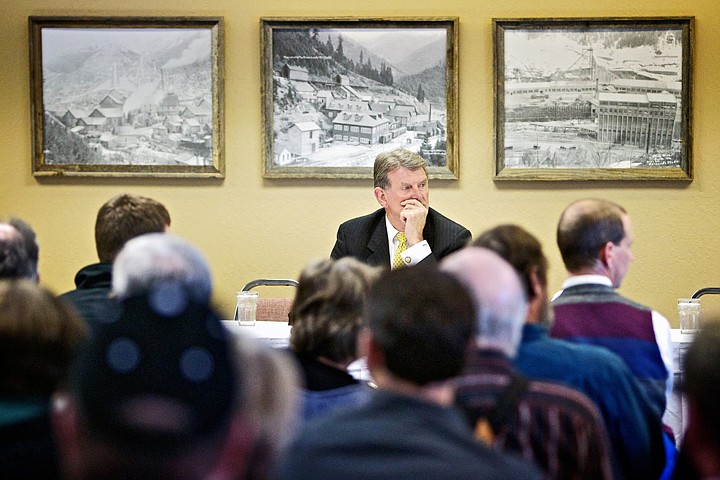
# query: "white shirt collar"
584 279
391 231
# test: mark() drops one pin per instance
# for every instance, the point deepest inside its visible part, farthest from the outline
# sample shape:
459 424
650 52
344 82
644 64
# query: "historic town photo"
592 98
124 98
342 94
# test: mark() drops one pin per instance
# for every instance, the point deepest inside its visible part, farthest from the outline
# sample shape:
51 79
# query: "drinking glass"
689 313
246 307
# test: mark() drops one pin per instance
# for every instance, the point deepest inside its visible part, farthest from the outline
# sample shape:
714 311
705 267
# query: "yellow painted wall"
250 227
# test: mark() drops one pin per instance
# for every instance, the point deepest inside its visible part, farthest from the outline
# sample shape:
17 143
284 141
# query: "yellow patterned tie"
402 246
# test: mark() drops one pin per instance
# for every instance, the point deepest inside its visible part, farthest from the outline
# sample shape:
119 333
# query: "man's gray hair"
499 296
386 162
151 259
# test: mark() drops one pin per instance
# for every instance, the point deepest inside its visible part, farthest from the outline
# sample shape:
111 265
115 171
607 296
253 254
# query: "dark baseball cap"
161 376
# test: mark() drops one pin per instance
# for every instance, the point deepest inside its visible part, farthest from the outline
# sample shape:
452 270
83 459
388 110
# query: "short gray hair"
498 293
386 162
154 258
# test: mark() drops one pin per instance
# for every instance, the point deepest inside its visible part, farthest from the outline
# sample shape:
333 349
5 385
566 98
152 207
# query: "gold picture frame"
127 96
338 91
593 99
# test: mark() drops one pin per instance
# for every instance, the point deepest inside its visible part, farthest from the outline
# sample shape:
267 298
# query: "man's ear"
380 196
65 420
536 285
606 253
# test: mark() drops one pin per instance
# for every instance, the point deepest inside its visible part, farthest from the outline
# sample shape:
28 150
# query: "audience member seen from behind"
634 428
155 258
121 218
419 322
153 395
39 336
595 238
326 315
29 240
700 450
556 427
267 405
15 262
405 231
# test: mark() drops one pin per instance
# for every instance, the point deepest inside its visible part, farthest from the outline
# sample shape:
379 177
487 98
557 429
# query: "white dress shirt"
412 255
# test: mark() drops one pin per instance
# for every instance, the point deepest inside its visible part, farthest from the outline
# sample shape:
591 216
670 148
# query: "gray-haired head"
498 293
155 258
386 162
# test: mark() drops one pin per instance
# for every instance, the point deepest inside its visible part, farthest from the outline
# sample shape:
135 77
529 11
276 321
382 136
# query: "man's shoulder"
364 221
447 223
559 359
560 350
587 293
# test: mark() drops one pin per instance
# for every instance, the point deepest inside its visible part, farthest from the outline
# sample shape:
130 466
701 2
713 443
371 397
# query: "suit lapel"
377 246
429 230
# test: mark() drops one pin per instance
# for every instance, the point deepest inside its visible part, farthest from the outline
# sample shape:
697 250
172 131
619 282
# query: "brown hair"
585 227
326 313
422 320
39 334
520 249
124 217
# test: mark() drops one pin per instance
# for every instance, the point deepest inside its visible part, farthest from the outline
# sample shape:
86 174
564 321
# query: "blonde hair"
326 313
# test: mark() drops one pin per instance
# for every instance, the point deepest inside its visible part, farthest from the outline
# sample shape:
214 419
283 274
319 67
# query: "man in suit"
405 231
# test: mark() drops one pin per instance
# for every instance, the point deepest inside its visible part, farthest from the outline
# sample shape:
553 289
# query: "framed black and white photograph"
125 96
339 91
593 99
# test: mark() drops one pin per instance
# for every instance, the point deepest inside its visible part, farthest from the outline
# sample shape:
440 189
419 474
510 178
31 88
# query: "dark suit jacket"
365 238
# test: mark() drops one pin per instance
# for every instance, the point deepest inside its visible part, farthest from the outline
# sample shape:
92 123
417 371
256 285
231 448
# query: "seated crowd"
475 372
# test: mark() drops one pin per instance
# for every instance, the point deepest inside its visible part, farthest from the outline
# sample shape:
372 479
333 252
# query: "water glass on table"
689 313
246 308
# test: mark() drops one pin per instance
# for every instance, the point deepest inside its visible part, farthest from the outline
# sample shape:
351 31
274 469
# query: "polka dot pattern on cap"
123 355
169 300
196 364
164 346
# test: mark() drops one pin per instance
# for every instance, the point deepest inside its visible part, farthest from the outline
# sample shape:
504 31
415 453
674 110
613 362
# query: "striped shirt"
557 428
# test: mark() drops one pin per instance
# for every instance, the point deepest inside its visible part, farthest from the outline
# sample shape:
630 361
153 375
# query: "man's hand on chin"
414 215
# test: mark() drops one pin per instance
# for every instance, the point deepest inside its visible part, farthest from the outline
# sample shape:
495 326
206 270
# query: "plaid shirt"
555 427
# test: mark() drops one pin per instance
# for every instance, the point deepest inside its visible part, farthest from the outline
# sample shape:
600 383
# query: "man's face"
622 254
405 184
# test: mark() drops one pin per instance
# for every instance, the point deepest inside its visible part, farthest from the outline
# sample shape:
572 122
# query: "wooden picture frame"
593 99
338 91
127 96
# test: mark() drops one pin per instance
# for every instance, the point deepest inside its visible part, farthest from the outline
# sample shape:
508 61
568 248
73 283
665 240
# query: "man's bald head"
498 293
585 227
